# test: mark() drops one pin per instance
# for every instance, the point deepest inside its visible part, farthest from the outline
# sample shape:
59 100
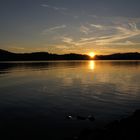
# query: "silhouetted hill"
9 56
36 56
120 56
4 52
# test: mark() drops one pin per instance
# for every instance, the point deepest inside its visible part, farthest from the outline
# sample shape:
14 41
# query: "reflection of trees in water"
6 67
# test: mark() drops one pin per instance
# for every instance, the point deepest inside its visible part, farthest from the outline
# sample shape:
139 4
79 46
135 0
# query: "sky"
70 26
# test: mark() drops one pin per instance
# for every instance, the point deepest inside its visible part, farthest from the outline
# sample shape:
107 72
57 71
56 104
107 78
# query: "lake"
36 97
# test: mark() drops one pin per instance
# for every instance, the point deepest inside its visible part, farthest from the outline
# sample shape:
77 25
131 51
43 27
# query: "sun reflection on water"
91 65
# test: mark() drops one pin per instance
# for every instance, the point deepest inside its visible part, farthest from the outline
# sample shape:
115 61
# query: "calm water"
42 94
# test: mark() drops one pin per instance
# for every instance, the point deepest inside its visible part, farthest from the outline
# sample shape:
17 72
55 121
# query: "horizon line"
66 53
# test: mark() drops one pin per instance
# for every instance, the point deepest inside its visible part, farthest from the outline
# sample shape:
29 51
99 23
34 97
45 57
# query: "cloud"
45 5
61 47
125 43
97 26
84 29
121 33
53 7
55 28
61 10
120 36
67 40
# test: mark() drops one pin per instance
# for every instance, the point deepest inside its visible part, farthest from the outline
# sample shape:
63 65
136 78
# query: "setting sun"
91 54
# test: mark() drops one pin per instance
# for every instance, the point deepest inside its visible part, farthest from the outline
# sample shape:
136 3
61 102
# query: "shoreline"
127 128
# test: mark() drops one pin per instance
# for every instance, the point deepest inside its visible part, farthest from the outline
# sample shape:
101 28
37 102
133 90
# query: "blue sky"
70 26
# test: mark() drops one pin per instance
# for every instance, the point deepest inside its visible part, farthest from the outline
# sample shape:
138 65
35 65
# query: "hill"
38 56
120 56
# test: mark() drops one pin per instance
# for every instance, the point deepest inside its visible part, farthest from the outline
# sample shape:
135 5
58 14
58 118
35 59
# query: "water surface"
39 95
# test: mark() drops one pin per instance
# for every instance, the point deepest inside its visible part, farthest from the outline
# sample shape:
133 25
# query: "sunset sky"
70 26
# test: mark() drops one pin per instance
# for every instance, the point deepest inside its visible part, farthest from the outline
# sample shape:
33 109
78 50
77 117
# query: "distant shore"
41 56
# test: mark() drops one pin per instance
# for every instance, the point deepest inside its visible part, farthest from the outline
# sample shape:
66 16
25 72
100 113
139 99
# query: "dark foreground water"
36 97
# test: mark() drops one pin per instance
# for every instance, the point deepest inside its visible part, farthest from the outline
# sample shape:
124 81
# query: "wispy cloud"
97 26
61 10
55 28
61 47
84 29
120 36
53 7
67 40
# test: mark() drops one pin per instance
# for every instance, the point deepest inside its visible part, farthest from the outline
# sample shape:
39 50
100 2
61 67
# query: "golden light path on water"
91 65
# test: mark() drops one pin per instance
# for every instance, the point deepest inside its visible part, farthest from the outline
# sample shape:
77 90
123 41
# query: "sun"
91 54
